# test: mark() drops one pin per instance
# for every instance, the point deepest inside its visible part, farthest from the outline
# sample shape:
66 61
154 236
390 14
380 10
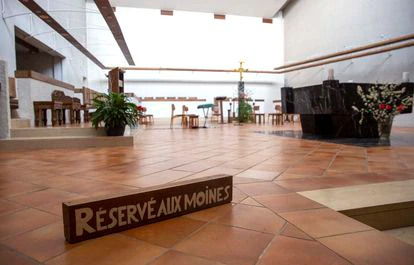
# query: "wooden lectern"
116 80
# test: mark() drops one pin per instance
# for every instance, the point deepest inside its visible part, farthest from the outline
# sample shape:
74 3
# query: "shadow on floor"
396 139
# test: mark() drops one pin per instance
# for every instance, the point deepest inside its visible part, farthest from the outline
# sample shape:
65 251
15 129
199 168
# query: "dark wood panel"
95 217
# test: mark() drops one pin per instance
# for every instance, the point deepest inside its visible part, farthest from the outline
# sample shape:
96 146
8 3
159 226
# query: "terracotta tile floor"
267 223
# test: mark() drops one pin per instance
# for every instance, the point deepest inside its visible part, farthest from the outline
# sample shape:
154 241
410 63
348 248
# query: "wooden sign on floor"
86 219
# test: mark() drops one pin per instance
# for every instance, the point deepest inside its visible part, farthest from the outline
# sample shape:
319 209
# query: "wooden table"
40 112
74 111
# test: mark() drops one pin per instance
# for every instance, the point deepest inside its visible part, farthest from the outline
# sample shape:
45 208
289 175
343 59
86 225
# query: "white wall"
201 89
96 28
192 40
319 27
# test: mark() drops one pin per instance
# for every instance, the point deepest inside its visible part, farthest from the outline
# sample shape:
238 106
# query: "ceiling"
250 8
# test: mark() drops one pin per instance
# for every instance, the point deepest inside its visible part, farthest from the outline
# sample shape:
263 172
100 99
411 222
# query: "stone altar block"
327 109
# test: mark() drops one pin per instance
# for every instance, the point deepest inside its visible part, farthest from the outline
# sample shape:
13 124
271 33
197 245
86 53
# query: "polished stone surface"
326 109
361 196
396 138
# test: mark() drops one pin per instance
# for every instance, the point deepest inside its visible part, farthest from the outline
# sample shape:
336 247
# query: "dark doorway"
31 54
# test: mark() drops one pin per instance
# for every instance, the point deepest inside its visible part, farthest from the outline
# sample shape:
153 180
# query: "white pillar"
5 116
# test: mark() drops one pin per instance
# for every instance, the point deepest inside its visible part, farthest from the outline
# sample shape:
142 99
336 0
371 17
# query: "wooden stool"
193 123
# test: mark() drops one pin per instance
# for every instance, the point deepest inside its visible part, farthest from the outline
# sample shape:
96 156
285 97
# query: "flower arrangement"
140 109
382 102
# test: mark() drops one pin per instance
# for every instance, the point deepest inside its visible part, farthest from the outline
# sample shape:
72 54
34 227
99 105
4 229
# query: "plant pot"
115 131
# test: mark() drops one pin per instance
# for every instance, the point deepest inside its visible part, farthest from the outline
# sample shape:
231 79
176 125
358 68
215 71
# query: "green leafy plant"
115 110
245 111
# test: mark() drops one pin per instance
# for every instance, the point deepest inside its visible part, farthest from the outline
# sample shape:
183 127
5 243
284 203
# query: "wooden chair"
256 113
277 117
145 118
183 116
190 120
215 113
88 96
69 103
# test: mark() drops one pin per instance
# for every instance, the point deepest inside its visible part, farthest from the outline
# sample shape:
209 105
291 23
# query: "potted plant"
115 110
245 110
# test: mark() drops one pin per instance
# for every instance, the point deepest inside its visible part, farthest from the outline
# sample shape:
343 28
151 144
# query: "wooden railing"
170 99
43 78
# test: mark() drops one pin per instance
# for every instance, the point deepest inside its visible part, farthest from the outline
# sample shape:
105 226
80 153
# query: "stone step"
384 206
20 123
47 132
19 144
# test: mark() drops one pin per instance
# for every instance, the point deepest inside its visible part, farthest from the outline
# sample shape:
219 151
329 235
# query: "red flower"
401 107
389 107
382 106
139 108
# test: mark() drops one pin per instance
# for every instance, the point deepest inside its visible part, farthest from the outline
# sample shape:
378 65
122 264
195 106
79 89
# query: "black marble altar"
327 109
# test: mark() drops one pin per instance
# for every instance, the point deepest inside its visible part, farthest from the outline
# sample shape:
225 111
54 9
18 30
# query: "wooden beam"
218 16
358 49
43 78
108 14
167 12
369 53
267 20
194 70
43 15
395 47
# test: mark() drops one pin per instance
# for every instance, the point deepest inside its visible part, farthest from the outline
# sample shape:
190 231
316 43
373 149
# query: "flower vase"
384 129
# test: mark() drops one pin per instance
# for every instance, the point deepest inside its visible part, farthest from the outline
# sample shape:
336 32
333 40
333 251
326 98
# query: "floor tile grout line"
348 233
20 254
267 247
28 231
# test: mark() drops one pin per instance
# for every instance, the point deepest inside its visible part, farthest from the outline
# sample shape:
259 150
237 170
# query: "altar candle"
331 74
406 77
